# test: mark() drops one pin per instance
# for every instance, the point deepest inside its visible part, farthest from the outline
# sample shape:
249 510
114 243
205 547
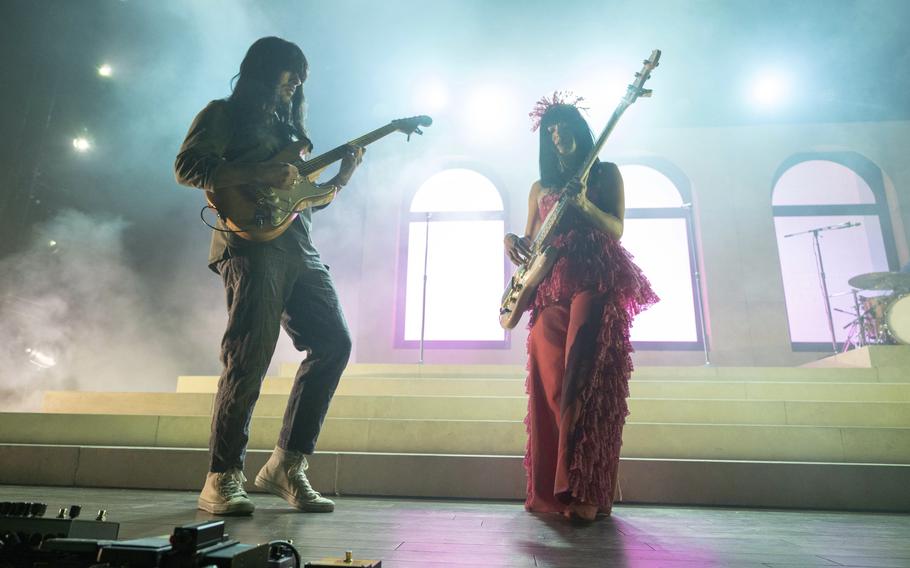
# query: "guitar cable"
214 228
275 546
275 207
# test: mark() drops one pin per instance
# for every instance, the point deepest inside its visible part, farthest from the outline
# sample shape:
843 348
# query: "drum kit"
880 319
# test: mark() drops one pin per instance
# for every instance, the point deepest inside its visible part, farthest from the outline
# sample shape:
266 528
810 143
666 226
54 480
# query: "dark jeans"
265 291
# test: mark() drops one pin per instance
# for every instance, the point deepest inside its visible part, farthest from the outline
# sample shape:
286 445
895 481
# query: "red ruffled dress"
579 364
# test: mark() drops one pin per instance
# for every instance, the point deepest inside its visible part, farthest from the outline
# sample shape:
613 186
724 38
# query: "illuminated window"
657 233
812 192
454 236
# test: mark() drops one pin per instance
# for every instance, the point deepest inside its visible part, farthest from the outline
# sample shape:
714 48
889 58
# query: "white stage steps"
750 436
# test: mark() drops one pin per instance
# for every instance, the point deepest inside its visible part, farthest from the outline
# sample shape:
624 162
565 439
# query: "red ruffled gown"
579 363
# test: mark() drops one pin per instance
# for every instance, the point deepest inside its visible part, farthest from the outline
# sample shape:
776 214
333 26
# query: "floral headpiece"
544 104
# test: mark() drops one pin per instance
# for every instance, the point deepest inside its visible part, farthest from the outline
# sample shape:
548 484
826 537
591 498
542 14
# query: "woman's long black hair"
552 173
254 93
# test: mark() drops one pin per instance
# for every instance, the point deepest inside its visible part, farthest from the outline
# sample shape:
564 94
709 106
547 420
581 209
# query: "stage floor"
412 533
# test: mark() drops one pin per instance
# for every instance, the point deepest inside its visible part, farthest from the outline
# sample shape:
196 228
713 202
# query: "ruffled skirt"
579 366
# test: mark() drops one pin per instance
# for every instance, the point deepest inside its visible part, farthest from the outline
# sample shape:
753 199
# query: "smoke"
124 305
75 315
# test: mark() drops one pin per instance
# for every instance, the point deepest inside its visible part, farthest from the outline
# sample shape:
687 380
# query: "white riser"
853 374
863 487
705 411
676 389
681 441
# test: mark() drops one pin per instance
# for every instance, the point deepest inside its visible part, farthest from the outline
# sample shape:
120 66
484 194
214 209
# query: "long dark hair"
254 88
552 174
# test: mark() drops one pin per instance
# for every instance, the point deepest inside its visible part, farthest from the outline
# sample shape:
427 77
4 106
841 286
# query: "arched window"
454 237
815 192
658 234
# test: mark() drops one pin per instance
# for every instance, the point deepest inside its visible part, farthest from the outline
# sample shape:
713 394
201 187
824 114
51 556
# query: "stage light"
769 89
82 144
489 110
40 359
432 95
105 70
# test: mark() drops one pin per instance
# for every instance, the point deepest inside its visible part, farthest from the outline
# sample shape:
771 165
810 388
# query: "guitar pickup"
259 217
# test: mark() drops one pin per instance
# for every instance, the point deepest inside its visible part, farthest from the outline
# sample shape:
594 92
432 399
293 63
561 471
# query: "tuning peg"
646 92
417 131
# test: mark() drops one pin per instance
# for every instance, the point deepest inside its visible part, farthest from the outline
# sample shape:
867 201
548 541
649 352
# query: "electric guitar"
261 213
520 291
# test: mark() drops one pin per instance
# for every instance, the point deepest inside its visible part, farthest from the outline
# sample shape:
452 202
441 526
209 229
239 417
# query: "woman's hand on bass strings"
517 248
578 191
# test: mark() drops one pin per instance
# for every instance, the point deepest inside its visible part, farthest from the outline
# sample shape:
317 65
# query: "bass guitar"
520 291
262 213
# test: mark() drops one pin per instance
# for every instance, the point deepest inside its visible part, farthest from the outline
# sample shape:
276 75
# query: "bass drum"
898 319
875 312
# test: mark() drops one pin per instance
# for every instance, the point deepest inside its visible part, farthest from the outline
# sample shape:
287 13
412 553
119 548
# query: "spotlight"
40 359
488 111
105 70
769 89
432 95
82 144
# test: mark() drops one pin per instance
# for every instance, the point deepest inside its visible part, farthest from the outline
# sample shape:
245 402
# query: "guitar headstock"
637 88
412 124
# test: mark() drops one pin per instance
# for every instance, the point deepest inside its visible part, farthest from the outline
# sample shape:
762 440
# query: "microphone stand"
860 320
821 271
423 305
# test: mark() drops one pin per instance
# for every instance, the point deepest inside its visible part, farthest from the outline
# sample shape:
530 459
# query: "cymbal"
881 281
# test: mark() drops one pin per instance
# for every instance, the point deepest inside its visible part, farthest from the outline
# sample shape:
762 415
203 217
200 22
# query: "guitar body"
520 291
262 213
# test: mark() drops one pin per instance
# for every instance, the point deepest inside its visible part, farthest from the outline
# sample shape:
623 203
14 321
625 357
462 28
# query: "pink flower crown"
544 104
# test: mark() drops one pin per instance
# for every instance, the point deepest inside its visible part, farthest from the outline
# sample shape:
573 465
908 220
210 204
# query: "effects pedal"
348 560
27 520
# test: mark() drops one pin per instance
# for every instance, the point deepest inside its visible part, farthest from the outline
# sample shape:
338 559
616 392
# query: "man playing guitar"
269 284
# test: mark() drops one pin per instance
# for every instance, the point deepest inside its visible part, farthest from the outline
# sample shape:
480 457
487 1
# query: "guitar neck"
335 154
635 90
601 140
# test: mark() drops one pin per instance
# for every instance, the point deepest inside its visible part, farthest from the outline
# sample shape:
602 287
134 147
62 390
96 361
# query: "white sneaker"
223 494
285 475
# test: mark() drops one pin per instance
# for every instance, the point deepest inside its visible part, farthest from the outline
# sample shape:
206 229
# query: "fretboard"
335 154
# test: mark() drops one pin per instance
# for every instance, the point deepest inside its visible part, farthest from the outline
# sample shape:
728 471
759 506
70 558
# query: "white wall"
731 171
